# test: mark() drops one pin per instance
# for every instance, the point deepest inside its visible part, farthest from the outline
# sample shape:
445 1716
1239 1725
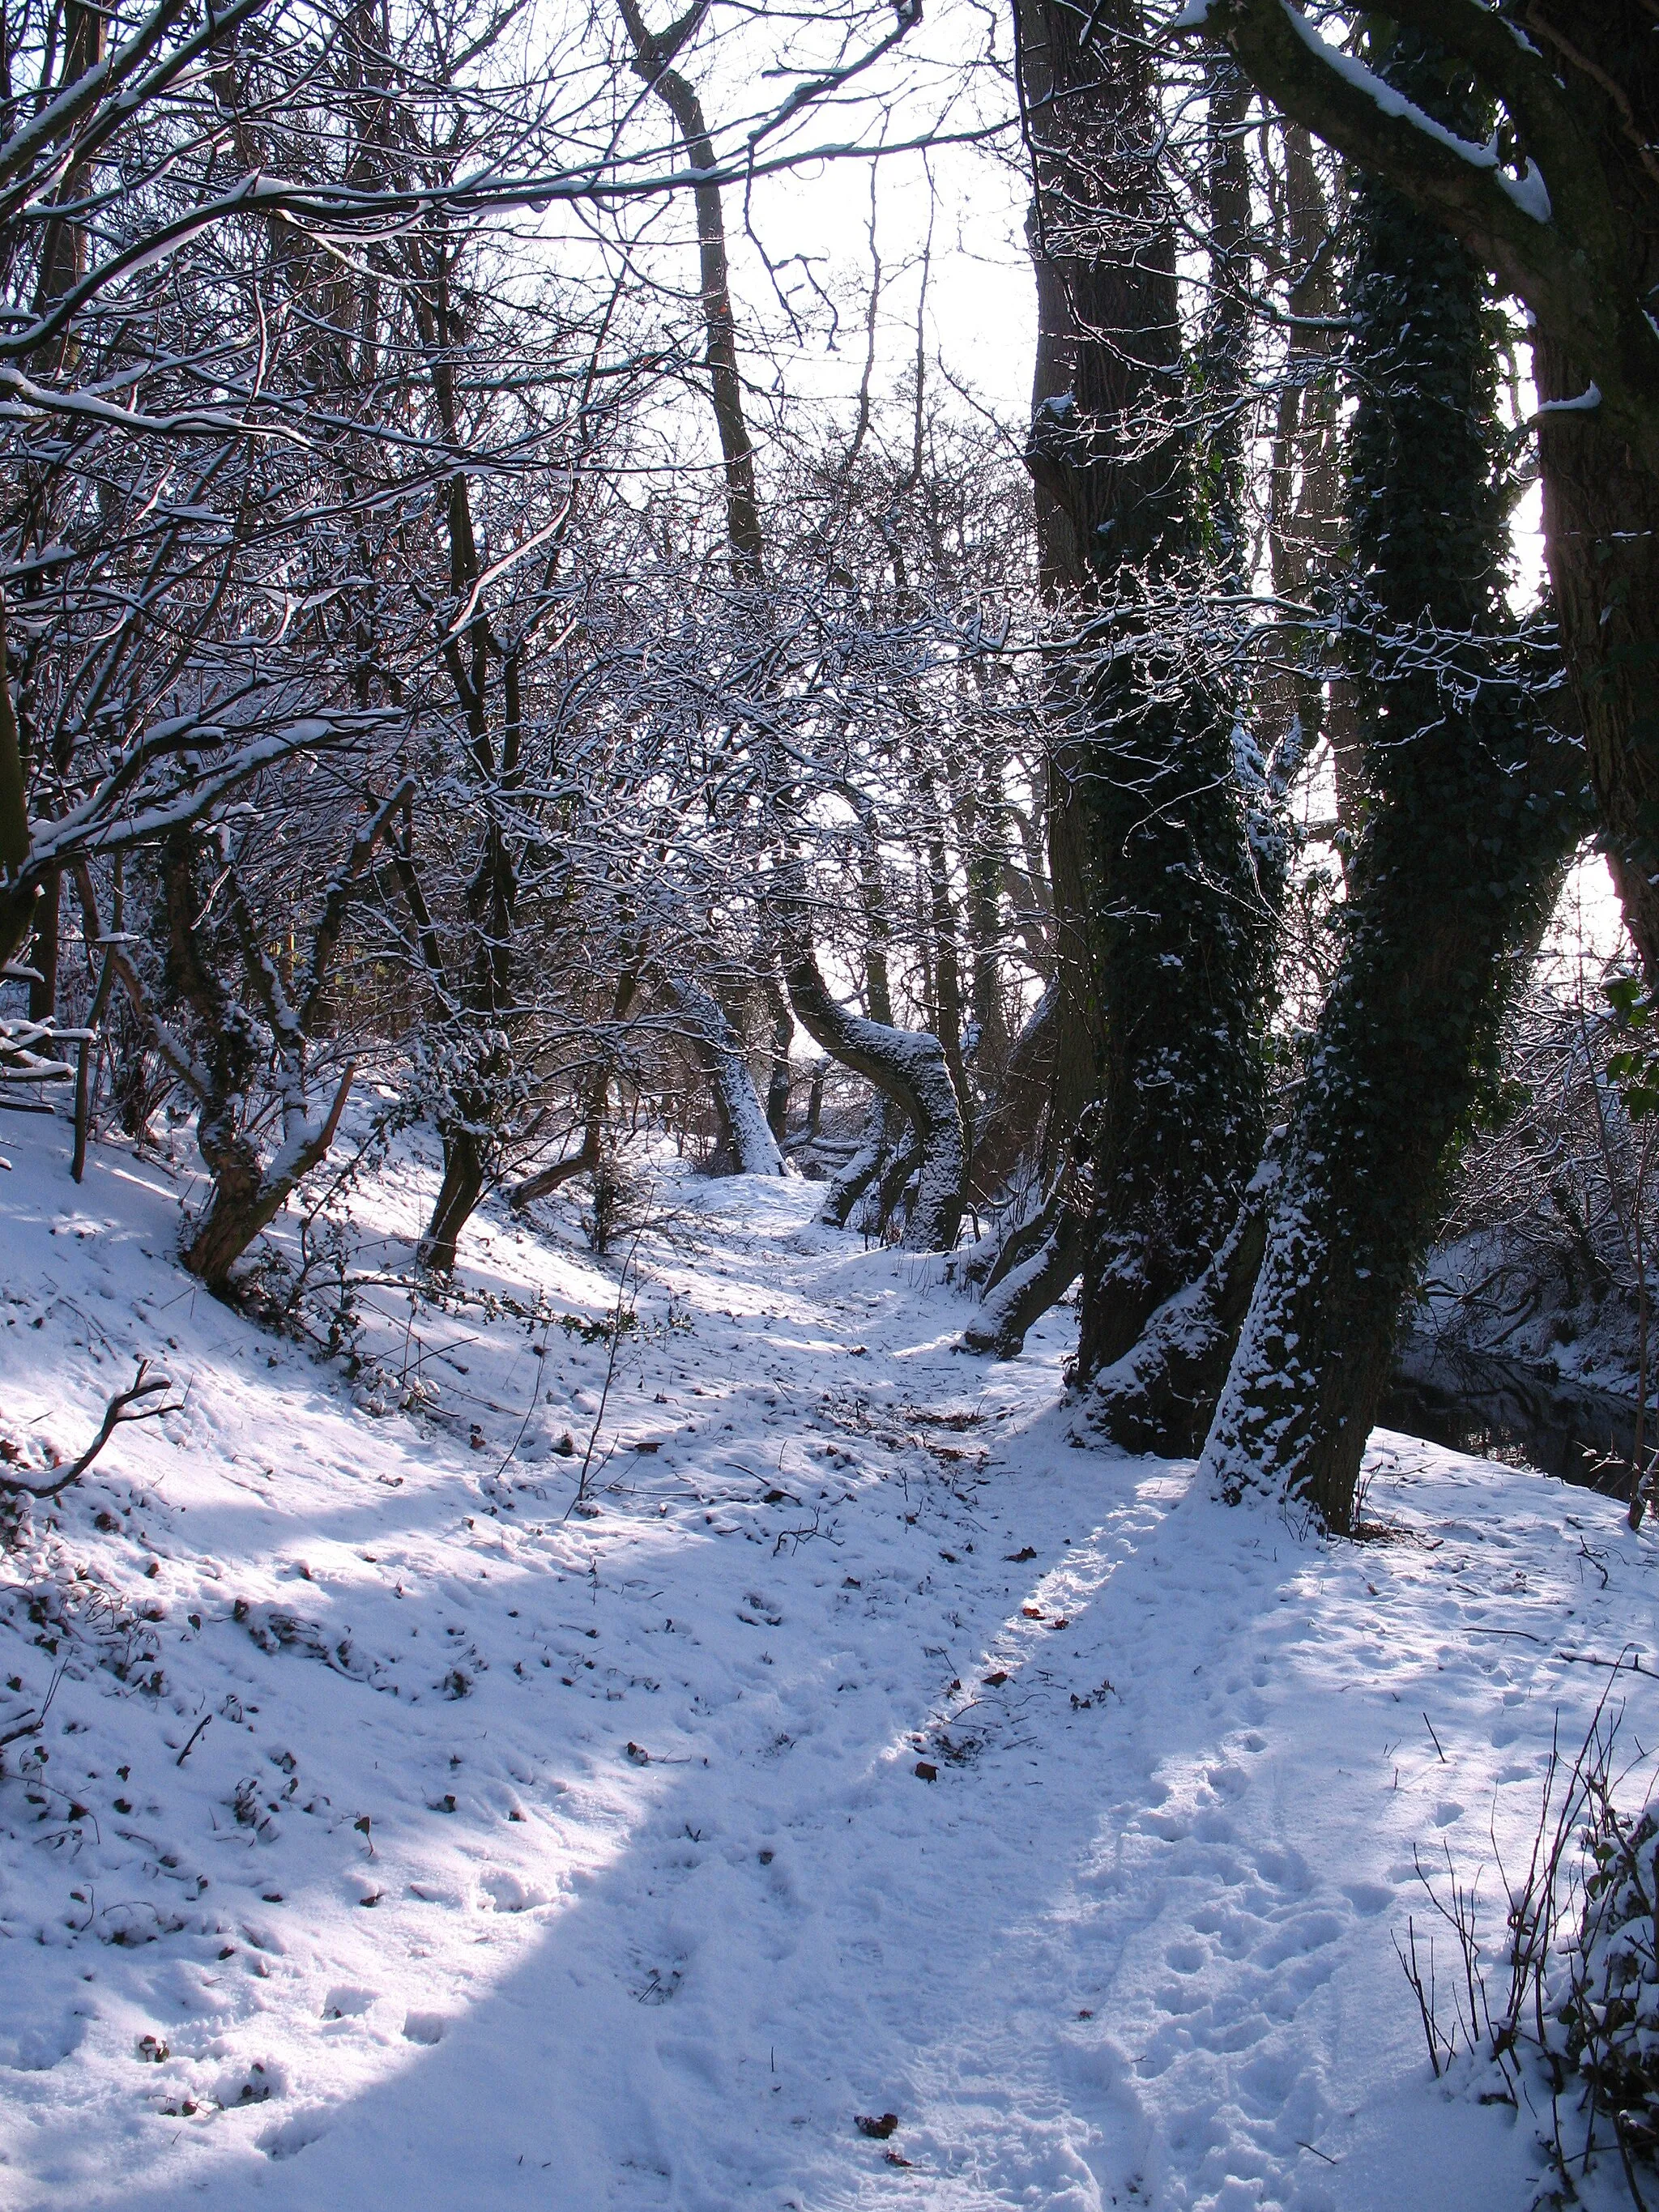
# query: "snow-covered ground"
399 1839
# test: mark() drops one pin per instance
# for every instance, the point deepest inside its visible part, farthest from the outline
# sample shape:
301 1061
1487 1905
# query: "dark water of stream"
1498 1409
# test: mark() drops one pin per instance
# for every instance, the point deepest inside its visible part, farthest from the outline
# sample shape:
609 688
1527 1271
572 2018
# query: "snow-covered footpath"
398 1839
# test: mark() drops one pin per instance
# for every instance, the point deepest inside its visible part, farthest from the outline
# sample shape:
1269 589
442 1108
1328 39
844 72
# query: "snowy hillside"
398 1837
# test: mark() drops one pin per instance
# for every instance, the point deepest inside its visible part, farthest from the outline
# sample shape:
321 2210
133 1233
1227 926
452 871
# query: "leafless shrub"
1565 2015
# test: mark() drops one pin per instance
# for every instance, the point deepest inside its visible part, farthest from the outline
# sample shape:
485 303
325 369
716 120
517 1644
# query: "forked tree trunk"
247 1197
247 1193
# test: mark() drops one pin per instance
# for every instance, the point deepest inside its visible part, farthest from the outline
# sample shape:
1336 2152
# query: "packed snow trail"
435 1848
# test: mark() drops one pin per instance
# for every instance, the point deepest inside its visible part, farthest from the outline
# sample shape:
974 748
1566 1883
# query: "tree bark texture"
1160 939
746 1145
908 1067
1473 801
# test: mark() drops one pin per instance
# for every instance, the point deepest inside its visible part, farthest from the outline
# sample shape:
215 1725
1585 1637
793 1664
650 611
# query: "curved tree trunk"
906 1065
891 1185
1042 1258
848 1187
1051 1262
462 1188
547 1180
746 1145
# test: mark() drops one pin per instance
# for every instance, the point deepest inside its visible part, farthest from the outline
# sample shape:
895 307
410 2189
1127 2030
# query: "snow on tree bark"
1162 925
1473 803
906 1065
746 1143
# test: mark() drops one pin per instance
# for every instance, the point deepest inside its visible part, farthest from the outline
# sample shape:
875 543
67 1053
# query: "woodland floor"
530 1859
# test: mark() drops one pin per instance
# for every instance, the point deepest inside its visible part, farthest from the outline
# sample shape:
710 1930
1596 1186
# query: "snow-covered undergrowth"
398 1839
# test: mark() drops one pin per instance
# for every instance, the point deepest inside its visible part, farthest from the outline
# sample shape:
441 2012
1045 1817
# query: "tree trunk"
1161 933
876 1150
906 1065
459 1194
1602 544
1162 1395
746 1145
1050 1258
1011 1125
781 1076
1580 86
653 60
545 1180
43 992
246 1197
1473 802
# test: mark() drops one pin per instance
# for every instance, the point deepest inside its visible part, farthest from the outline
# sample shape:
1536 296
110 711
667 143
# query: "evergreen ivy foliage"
1472 803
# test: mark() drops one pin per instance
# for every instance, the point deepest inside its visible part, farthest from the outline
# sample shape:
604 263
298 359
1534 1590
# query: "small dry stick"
34 1727
125 1406
194 1733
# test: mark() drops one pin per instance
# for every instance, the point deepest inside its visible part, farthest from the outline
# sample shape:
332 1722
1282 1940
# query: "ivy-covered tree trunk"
1578 84
1472 803
1159 939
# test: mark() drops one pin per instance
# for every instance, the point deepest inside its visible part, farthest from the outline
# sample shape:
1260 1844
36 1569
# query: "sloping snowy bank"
401 1841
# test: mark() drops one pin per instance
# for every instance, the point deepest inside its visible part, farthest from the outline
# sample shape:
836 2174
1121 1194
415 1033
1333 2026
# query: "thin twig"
194 1733
121 1408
